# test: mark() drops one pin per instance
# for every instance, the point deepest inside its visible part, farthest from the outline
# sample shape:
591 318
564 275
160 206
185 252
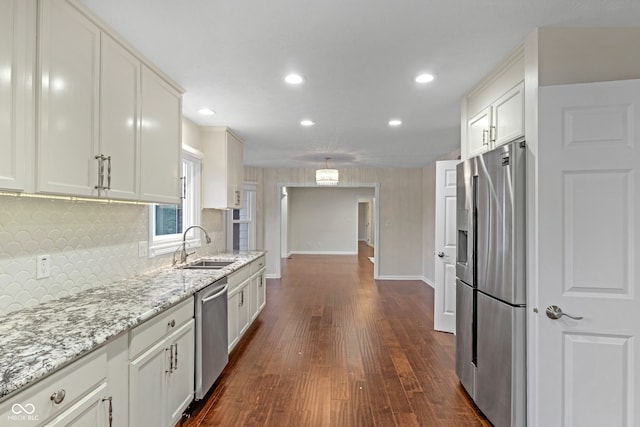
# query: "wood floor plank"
333 347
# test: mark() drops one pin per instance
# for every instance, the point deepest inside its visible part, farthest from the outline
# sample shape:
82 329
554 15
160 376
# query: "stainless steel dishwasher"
211 335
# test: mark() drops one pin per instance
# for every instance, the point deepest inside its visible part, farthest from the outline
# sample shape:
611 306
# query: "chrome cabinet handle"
170 349
100 159
58 396
554 312
110 399
441 254
175 357
108 172
484 137
492 133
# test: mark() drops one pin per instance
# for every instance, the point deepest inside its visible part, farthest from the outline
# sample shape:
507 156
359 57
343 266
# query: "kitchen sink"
207 265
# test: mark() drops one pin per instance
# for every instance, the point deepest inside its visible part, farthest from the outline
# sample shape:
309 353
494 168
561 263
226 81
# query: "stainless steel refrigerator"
491 285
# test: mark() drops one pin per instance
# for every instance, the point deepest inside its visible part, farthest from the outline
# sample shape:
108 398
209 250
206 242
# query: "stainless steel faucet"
183 245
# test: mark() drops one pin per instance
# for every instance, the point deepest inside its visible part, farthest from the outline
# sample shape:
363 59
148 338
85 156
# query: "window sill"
171 246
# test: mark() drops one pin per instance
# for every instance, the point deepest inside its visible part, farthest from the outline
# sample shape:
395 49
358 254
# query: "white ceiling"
359 58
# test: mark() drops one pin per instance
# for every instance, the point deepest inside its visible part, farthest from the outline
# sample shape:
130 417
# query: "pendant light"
327 176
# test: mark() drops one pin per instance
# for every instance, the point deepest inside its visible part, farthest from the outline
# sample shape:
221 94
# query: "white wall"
585 55
324 220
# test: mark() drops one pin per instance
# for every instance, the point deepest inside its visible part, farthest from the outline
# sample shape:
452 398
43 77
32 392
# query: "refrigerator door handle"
554 312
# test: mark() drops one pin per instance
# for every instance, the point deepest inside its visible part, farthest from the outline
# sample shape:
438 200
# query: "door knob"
441 254
554 312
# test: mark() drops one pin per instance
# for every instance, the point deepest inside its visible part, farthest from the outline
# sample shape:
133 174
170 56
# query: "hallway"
334 348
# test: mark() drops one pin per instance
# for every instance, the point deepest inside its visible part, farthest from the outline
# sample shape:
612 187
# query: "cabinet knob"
172 323
58 396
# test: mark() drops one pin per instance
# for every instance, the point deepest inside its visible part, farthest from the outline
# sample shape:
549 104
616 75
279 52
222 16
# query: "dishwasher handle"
216 295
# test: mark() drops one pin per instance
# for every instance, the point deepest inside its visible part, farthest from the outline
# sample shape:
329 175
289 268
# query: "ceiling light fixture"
307 122
206 111
395 122
327 176
294 79
425 78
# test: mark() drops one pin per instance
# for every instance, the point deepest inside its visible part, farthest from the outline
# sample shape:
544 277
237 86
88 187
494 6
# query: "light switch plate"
43 266
143 249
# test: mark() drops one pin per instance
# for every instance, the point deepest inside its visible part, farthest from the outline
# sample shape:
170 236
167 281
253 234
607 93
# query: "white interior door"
588 256
445 247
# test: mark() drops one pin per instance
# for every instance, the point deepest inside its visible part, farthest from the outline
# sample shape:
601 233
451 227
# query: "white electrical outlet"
43 266
143 249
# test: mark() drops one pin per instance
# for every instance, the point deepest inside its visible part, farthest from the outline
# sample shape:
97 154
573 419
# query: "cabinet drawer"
238 277
257 265
145 335
34 405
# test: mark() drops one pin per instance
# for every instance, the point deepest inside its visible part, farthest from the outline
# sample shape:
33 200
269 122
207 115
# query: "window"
241 223
167 222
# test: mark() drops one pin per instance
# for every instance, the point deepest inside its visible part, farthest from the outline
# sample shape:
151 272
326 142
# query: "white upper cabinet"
160 140
69 89
501 122
223 169
119 117
109 124
17 59
478 137
493 113
508 116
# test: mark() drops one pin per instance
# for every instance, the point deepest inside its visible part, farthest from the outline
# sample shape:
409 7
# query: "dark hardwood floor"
333 347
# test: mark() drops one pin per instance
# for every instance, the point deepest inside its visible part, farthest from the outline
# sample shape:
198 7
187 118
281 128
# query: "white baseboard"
323 253
273 276
428 282
399 277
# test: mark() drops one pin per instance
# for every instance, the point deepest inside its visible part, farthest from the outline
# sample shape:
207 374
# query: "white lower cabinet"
161 370
89 411
233 331
261 291
247 297
77 395
180 382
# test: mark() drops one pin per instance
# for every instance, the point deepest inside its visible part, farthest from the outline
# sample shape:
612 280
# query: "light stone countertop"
37 341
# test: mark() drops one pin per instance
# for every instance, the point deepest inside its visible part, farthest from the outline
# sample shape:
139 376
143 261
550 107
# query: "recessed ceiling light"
395 122
307 122
294 79
206 111
424 78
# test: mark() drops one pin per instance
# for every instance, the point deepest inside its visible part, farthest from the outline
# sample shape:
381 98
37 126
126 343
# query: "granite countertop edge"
40 340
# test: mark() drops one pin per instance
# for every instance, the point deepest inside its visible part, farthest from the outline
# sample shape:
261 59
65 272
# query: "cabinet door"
478 133
244 315
508 116
233 330
160 140
69 86
235 172
253 301
147 387
89 411
17 56
261 292
119 115
180 381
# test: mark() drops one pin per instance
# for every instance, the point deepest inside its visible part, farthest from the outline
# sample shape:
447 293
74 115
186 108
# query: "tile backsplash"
90 244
